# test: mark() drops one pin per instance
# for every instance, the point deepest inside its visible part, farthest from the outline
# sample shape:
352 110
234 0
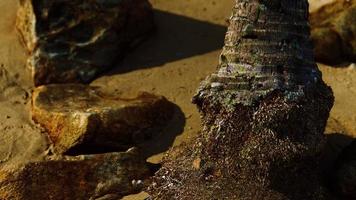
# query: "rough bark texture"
264 112
107 176
75 40
82 118
334 32
267 47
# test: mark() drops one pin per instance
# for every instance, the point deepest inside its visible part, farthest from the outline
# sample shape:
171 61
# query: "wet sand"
182 52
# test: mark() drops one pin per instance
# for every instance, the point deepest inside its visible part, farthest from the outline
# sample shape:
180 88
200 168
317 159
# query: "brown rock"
71 178
334 32
73 41
83 118
328 45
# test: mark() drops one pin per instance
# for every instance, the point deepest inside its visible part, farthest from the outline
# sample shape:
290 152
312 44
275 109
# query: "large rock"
106 176
334 32
82 118
73 41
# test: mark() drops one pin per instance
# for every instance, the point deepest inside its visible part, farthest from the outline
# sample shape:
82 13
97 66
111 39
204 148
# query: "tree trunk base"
269 150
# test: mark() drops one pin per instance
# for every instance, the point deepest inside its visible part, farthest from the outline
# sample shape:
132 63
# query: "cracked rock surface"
73 41
82 118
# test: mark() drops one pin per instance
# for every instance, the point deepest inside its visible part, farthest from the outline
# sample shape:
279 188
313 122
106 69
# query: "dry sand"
20 139
315 4
182 52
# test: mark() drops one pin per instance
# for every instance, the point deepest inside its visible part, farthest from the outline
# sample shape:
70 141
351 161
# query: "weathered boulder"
82 118
73 41
82 177
344 177
334 32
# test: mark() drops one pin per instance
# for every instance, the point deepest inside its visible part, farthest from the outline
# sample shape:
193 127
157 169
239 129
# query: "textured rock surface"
73 41
334 32
82 118
264 113
344 179
71 178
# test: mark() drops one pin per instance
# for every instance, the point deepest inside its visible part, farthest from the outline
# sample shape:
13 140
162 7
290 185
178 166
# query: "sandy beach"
181 53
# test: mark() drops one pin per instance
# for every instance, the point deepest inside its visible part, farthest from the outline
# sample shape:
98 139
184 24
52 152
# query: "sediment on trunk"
264 112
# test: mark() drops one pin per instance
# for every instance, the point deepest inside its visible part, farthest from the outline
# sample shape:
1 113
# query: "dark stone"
74 41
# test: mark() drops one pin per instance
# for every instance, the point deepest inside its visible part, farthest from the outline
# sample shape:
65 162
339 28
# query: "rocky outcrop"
82 118
73 41
106 176
334 32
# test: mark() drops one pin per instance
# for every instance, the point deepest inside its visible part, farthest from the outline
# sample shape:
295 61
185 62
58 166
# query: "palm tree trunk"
264 112
267 47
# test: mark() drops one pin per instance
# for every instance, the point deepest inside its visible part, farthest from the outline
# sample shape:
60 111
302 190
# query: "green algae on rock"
83 118
82 177
264 113
74 41
334 32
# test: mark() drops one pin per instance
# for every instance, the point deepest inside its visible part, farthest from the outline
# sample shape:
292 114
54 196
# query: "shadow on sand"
335 153
176 37
163 140
336 142
152 142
